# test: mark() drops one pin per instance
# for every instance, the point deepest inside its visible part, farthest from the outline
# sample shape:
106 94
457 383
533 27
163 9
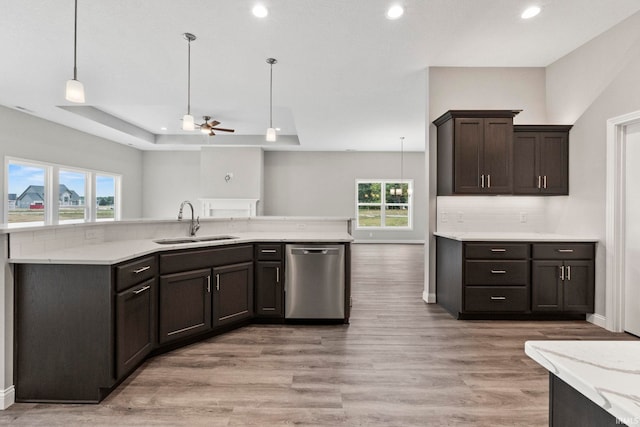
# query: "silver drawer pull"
568 272
498 271
498 298
141 290
565 251
140 270
498 250
268 251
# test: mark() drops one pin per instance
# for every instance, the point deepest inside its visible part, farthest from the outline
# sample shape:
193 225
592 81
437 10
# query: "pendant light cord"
188 77
75 41
271 95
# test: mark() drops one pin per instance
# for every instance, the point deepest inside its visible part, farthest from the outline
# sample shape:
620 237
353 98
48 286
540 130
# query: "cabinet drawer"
563 251
269 252
496 299
496 272
496 250
134 272
196 259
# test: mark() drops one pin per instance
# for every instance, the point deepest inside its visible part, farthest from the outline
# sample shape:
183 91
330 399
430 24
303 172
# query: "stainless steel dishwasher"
314 281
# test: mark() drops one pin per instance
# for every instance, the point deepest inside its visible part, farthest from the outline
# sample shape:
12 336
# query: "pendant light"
75 89
271 132
187 120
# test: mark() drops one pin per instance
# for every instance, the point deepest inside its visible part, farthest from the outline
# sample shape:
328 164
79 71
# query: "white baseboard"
598 320
428 298
7 397
402 242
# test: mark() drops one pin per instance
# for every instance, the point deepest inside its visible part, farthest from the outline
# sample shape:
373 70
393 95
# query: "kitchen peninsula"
89 314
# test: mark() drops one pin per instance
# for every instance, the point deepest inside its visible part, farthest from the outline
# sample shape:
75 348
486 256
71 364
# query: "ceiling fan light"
75 91
271 135
188 122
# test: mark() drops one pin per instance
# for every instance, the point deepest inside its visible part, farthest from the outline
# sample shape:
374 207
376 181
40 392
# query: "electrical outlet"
302 226
460 216
444 216
370 234
90 234
523 217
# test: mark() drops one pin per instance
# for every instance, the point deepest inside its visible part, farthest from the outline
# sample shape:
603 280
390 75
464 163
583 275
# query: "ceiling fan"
208 127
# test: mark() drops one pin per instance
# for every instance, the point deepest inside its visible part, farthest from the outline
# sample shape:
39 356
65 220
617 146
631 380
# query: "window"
384 204
42 194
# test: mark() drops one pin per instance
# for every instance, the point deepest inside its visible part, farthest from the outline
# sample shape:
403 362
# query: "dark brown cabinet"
541 159
269 290
563 278
136 325
233 295
184 304
502 279
475 152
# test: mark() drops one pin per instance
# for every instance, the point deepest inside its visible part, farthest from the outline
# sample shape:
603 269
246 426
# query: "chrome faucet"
195 223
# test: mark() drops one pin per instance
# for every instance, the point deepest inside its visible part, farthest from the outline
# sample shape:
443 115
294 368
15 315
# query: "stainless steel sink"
179 240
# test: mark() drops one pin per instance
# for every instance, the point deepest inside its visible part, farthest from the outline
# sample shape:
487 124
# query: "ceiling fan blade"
214 123
212 133
224 130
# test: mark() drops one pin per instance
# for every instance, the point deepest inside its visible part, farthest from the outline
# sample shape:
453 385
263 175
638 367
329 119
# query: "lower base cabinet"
184 304
233 295
269 293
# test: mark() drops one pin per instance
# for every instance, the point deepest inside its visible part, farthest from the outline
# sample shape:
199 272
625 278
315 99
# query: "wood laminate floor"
400 362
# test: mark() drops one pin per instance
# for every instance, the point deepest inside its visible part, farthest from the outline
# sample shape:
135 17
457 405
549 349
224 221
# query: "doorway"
623 224
632 230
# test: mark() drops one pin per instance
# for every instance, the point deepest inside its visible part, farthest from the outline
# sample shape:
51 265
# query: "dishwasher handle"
315 251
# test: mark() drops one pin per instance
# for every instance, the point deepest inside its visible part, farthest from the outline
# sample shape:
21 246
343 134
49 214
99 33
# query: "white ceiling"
346 78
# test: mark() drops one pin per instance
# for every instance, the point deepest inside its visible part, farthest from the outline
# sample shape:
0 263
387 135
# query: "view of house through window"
384 204
30 185
71 196
25 193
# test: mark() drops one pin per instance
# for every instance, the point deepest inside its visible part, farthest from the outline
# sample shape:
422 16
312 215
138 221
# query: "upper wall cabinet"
541 159
475 151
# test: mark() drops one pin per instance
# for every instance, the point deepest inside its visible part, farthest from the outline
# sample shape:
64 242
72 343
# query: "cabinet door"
546 287
554 162
269 294
185 304
233 293
526 164
578 286
497 152
136 325
469 144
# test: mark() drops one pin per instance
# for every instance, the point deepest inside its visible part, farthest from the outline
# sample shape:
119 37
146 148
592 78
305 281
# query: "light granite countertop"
114 252
492 236
606 372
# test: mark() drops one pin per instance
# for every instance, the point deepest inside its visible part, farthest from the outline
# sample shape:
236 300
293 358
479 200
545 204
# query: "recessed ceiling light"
163 128
530 12
259 11
395 11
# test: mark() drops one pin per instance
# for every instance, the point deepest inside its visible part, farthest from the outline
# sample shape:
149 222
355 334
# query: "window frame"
51 202
383 202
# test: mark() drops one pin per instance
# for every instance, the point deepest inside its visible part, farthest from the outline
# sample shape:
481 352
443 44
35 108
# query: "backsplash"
492 213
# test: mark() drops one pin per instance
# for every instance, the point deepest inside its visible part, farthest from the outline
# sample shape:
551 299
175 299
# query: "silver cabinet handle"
498 250
217 282
498 298
488 181
482 180
544 181
277 274
539 181
141 290
140 270
568 272
562 272
208 284
565 251
268 251
498 271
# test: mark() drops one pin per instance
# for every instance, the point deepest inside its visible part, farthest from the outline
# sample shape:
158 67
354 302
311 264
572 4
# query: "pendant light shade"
271 131
75 89
188 122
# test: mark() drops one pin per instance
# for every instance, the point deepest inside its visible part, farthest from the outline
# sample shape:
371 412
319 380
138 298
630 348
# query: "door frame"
615 219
